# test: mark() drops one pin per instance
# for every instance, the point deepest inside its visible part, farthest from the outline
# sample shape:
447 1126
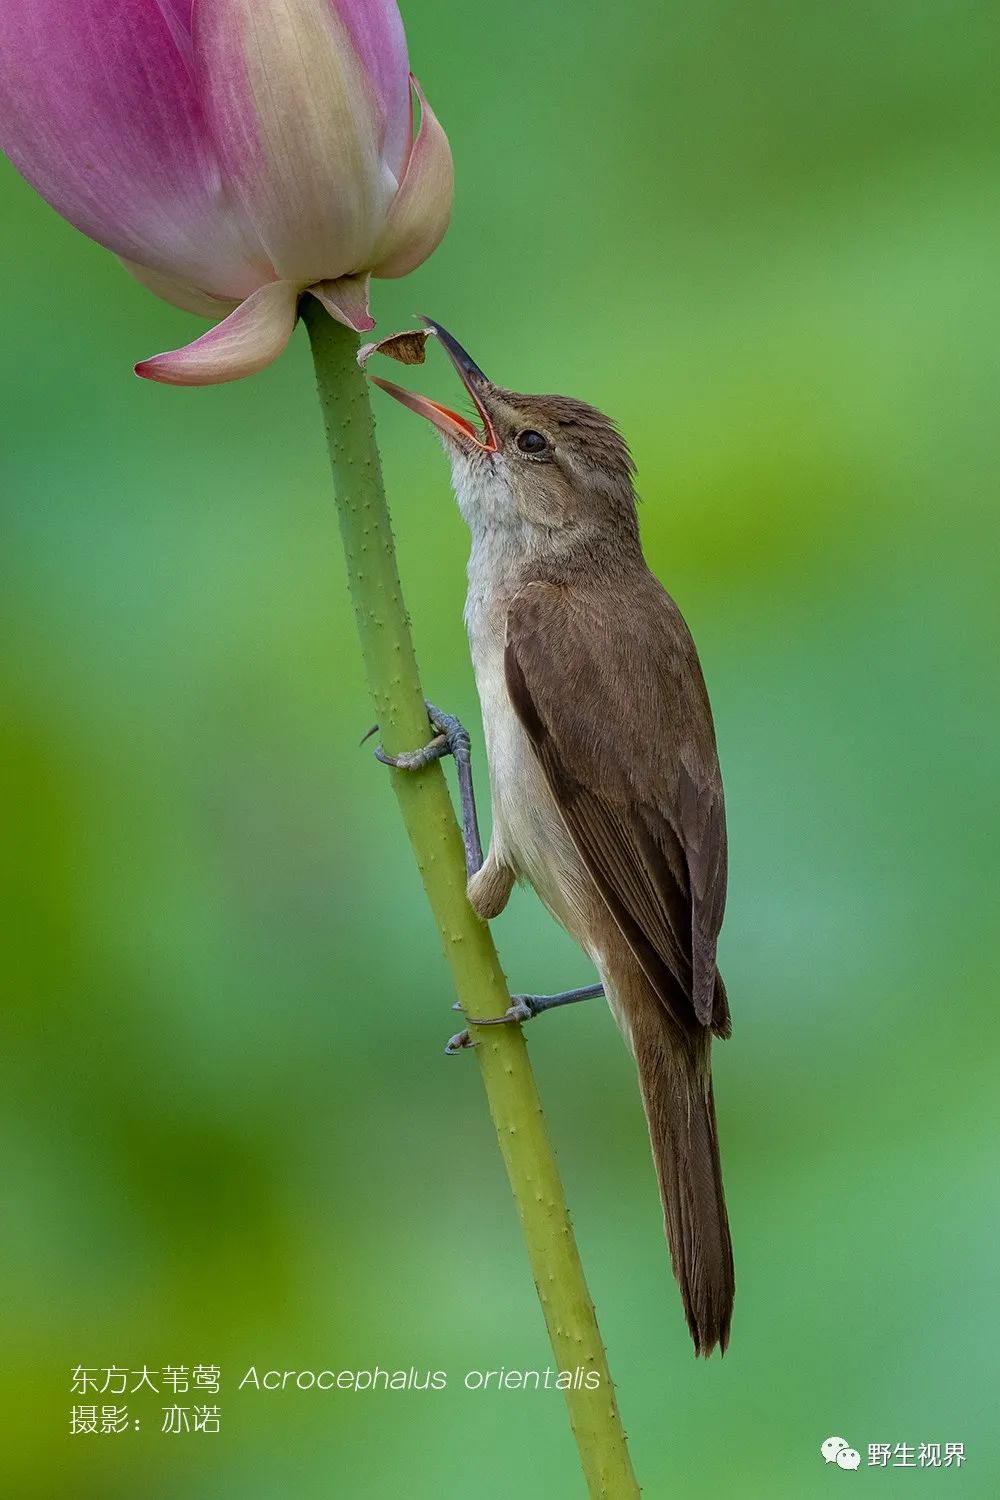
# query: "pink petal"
418 217
296 124
177 14
248 340
346 300
97 112
376 29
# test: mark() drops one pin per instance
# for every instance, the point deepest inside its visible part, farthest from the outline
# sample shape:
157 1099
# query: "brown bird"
606 791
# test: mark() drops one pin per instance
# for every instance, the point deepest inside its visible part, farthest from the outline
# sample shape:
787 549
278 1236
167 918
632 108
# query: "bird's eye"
530 441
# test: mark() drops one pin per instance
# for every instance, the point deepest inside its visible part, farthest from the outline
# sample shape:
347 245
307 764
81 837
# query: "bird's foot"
522 1008
450 738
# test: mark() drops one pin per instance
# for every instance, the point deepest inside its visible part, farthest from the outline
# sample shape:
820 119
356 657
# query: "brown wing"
610 692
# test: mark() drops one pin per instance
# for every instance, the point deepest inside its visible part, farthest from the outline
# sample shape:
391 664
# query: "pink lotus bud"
233 153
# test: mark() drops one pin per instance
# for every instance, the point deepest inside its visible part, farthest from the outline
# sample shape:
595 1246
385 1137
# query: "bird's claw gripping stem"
522 1008
450 738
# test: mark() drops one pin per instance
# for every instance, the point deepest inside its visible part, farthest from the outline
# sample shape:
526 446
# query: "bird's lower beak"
444 419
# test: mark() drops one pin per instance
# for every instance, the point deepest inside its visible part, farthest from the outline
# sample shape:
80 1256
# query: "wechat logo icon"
837 1450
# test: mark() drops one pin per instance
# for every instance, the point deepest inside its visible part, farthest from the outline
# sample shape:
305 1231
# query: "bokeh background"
767 239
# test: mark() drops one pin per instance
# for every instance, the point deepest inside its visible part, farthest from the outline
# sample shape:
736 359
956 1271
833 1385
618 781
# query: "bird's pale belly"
528 831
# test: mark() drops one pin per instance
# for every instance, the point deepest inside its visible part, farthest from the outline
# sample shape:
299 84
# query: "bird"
606 791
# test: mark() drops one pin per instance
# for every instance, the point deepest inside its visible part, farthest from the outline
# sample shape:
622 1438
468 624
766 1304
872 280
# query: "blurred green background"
767 240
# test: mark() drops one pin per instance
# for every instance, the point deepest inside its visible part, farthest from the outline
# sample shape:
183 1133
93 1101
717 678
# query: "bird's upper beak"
447 421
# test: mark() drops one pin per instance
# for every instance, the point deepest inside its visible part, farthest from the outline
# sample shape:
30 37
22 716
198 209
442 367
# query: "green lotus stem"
398 699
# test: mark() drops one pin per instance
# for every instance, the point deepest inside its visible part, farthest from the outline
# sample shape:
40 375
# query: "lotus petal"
248 340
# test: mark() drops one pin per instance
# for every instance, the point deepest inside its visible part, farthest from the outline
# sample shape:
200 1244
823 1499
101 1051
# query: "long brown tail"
676 1082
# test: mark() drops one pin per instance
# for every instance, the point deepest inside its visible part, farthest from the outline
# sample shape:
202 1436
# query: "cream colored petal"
251 338
297 127
418 217
346 300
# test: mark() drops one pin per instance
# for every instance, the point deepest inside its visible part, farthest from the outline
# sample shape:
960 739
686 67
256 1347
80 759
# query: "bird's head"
550 470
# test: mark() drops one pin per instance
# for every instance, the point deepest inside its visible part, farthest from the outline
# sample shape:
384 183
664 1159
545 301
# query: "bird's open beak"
447 421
